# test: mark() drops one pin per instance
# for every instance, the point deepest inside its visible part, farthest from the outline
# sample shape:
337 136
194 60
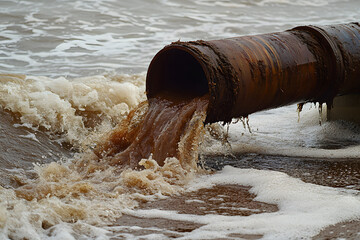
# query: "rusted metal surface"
251 73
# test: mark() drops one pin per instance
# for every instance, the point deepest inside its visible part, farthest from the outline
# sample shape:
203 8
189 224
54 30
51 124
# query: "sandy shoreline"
203 202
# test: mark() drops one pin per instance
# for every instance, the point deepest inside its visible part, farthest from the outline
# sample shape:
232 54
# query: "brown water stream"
166 127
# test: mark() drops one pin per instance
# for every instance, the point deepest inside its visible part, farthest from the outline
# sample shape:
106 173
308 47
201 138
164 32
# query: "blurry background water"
88 37
98 47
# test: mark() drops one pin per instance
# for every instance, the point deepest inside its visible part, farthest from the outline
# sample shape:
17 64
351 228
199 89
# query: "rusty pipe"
247 74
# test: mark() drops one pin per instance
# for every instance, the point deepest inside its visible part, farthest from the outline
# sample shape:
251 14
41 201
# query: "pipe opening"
176 70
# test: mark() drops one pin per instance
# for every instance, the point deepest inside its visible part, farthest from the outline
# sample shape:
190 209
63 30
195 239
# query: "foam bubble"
281 132
30 136
296 2
304 208
314 3
78 198
71 106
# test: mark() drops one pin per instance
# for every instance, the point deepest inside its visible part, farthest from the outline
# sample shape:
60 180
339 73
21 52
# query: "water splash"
73 108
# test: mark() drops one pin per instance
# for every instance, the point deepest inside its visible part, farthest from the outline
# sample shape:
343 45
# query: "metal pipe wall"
247 74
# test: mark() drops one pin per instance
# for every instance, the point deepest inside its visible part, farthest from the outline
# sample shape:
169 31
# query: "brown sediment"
156 225
343 230
156 128
229 200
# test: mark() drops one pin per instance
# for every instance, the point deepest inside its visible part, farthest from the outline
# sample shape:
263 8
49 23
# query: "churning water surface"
71 70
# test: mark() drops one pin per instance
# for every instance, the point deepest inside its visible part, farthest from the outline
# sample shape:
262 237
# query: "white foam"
345 153
31 136
77 199
280 132
57 104
194 201
304 208
296 2
313 3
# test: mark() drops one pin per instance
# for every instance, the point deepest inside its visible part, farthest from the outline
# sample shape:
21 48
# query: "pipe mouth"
176 70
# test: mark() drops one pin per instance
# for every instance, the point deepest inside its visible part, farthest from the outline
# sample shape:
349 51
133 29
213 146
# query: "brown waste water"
95 188
158 129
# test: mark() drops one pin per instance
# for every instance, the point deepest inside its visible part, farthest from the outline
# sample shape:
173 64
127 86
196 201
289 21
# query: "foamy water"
71 106
72 70
304 209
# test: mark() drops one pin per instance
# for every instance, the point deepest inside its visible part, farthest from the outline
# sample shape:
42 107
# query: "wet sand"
346 230
230 200
235 200
233 195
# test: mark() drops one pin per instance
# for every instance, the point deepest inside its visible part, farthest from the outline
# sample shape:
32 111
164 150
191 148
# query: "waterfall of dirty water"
92 190
156 129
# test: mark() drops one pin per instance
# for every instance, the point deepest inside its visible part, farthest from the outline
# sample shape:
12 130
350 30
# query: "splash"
86 196
72 108
165 128
76 198
79 197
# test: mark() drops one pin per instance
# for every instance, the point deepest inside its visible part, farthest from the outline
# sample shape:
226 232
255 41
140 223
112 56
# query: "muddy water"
164 128
88 189
167 127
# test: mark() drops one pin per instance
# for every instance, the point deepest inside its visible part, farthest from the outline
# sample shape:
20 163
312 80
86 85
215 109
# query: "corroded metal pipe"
251 73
